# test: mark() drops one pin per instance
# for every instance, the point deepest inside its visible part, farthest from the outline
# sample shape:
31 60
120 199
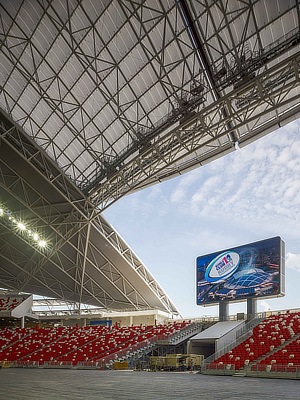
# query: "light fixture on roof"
35 237
21 228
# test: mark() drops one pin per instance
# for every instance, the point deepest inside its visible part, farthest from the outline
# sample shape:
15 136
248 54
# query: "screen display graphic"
252 270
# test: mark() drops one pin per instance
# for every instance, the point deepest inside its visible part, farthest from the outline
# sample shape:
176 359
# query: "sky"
248 195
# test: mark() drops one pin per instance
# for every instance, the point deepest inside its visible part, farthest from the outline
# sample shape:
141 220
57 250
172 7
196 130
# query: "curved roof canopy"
102 98
95 83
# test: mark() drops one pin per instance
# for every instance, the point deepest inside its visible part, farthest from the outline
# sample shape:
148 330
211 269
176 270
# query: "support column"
223 311
251 308
22 322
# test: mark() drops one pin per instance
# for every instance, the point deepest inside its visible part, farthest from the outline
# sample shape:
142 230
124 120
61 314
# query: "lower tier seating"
267 336
74 345
10 335
289 356
36 339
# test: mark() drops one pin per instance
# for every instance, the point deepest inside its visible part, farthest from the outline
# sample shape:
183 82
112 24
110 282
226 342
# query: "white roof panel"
103 70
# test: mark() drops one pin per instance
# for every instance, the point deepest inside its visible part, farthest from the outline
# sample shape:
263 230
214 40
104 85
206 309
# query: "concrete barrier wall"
24 308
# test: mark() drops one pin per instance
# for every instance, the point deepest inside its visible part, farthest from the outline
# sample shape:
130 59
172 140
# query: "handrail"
194 326
150 327
234 317
257 370
84 312
242 334
145 344
273 368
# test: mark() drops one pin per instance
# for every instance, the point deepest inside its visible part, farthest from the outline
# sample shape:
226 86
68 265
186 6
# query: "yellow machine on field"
176 362
4 364
121 365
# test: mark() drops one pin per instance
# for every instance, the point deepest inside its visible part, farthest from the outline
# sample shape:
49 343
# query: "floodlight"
36 236
21 226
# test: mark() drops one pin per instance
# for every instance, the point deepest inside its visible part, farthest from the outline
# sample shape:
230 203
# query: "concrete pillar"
130 320
22 322
223 311
251 308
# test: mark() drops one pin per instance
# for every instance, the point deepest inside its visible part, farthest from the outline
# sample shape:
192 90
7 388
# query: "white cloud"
292 261
295 148
256 183
154 192
207 240
179 195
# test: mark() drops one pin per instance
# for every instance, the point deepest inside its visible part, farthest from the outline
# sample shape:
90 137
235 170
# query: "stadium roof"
84 262
99 99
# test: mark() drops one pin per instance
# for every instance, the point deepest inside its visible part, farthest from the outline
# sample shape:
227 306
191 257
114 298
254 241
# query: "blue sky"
246 196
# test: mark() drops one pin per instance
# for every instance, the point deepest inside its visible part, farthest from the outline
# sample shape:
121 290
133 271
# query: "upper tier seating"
9 303
267 336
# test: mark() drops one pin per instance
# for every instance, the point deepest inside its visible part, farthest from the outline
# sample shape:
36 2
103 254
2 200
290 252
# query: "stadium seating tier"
74 345
275 332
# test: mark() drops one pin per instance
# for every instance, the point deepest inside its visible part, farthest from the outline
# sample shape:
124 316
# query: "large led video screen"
253 270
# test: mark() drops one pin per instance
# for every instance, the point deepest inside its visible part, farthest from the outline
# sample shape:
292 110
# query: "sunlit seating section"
11 335
9 303
32 342
266 337
289 355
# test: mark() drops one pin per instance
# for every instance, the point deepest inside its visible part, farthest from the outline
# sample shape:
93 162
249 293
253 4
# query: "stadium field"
37 384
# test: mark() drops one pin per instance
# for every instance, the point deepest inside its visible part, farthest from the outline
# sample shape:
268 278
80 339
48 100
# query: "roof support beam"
274 92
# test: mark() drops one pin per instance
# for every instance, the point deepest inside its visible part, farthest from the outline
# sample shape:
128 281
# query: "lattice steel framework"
100 99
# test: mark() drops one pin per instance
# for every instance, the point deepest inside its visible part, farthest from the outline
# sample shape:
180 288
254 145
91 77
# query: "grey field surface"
33 384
